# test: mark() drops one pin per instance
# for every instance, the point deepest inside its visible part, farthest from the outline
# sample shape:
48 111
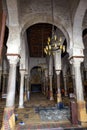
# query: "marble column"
50 73
46 81
81 105
47 85
51 89
8 115
78 79
59 99
65 87
21 95
44 84
26 88
73 80
11 81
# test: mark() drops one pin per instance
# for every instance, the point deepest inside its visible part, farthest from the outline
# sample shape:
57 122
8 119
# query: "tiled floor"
31 118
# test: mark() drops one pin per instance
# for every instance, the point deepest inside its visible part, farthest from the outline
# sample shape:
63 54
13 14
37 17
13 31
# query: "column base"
51 98
20 107
66 95
82 115
51 95
59 99
25 97
8 119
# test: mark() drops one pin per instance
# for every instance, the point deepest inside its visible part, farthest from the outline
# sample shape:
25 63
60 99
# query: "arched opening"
36 79
37 36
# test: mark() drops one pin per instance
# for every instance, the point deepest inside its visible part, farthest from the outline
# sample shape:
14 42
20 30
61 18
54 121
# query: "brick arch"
44 18
77 24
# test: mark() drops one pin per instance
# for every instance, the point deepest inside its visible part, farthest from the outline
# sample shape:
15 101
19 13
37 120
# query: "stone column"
78 79
59 99
51 89
50 73
81 106
26 88
8 116
47 85
21 96
73 80
11 81
57 63
46 81
44 84
65 87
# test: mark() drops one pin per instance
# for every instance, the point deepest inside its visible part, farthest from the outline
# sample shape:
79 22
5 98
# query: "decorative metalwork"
54 43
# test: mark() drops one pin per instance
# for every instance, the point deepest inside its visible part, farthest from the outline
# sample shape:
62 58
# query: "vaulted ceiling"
37 36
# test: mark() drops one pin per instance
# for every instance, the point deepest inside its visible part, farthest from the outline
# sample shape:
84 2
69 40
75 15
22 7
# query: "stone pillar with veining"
26 88
81 105
50 77
78 80
65 85
8 115
51 89
21 95
11 80
57 64
59 98
73 79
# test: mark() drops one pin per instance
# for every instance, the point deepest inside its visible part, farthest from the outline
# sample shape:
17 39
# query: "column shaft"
11 86
51 89
78 80
65 87
58 89
21 96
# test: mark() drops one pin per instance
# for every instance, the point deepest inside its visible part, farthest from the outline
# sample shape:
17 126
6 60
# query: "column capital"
22 71
26 76
58 72
76 60
50 75
76 52
13 58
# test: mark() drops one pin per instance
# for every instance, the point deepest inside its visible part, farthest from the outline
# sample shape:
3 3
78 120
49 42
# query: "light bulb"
60 39
49 47
46 47
48 39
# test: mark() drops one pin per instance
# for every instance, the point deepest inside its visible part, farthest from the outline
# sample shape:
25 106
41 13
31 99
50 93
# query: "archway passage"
36 84
40 108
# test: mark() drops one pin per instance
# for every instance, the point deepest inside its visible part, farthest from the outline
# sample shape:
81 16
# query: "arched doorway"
35 79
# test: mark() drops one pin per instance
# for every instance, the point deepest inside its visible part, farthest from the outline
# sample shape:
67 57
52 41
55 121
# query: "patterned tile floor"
30 116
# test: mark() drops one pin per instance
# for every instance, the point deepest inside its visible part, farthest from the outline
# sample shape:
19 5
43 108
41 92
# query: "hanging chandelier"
54 43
